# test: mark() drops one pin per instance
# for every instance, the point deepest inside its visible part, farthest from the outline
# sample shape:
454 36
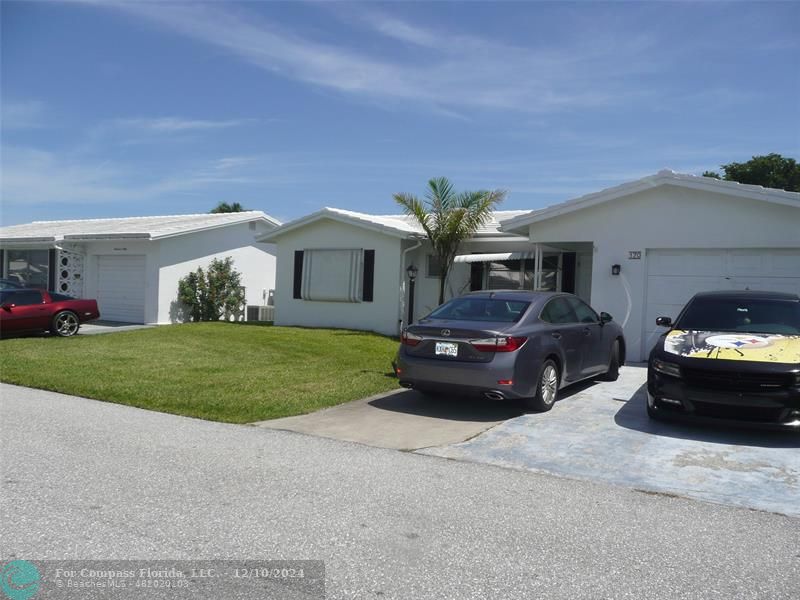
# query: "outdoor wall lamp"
412 276
615 269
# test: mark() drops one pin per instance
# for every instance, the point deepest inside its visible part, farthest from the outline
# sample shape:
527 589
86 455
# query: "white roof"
397 225
664 177
148 228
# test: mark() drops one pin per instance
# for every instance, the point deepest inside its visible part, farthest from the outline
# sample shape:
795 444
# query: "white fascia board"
28 240
91 237
335 216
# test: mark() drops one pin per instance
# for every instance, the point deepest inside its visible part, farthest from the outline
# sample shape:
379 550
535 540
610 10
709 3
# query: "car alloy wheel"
546 388
549 384
66 324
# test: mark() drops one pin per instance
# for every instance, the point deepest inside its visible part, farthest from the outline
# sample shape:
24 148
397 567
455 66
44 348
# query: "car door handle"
556 335
587 331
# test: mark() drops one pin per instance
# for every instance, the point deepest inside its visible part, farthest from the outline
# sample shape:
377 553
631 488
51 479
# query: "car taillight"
499 344
409 339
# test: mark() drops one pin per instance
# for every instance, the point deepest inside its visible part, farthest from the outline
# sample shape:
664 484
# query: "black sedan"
730 357
510 345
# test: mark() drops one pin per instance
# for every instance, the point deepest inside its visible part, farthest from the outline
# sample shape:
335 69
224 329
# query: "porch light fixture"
615 269
412 276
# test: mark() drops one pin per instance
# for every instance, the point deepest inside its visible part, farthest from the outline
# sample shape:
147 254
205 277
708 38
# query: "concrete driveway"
401 420
600 432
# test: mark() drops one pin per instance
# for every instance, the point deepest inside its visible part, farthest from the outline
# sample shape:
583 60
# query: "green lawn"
237 373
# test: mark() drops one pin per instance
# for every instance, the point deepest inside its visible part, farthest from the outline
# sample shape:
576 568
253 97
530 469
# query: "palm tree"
449 218
224 207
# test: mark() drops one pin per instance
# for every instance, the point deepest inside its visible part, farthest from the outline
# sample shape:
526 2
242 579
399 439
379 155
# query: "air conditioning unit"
260 313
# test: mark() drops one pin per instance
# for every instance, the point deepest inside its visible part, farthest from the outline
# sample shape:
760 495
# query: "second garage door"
120 288
674 276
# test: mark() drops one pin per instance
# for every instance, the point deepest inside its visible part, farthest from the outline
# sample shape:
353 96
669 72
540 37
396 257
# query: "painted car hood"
754 347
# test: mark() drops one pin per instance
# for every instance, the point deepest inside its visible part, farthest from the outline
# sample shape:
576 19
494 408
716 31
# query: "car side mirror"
605 317
664 322
6 306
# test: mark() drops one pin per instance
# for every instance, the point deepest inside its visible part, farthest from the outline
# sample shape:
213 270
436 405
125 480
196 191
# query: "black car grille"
740 413
736 380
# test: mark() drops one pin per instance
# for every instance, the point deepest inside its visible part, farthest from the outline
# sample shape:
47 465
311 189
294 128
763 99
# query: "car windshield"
742 314
481 309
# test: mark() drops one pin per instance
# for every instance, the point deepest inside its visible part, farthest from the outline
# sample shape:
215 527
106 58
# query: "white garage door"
120 288
674 276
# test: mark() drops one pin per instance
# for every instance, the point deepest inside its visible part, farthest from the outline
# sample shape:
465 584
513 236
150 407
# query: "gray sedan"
510 345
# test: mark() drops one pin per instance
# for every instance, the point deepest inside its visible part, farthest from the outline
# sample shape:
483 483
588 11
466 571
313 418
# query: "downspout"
403 255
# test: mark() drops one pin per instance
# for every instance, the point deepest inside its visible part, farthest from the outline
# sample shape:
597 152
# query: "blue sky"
114 109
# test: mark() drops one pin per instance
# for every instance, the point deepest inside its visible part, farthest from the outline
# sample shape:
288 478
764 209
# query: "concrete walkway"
98 327
401 420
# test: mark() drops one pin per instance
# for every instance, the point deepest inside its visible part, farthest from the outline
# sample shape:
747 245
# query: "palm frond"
413 207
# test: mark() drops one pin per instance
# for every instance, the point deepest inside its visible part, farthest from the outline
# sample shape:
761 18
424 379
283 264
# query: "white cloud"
167 125
32 176
458 71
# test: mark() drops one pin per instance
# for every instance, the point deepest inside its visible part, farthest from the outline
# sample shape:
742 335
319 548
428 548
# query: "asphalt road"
83 479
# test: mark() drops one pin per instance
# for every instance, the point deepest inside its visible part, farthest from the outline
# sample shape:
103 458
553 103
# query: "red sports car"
37 310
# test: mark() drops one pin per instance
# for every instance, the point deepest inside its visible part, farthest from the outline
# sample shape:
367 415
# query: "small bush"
214 294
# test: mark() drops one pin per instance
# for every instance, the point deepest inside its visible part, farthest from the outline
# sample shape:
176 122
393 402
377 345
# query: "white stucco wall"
180 255
381 315
663 218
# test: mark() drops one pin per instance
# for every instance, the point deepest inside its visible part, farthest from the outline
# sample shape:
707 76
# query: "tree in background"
449 218
213 294
224 207
771 171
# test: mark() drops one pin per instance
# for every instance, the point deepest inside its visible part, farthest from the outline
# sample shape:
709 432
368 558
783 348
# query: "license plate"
446 349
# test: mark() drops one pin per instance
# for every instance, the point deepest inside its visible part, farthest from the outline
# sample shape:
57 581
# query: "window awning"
472 258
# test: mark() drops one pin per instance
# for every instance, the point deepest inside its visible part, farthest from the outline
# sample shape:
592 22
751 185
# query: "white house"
132 265
339 268
667 236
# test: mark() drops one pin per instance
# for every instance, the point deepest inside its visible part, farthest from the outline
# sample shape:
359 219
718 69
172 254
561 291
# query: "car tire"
613 364
653 413
546 388
65 324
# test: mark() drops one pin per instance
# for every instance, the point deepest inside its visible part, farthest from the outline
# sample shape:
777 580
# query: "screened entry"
520 271
28 267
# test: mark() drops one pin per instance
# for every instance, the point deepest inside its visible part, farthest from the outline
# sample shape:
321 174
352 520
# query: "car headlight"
667 368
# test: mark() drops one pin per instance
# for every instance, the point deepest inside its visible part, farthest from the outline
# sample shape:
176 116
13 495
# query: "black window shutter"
476 276
298 273
51 283
369 275
2 263
568 272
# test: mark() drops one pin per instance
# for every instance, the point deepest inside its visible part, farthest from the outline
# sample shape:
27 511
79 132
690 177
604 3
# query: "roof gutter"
403 257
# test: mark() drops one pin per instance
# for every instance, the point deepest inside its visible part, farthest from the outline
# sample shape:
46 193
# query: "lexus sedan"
729 357
29 310
510 345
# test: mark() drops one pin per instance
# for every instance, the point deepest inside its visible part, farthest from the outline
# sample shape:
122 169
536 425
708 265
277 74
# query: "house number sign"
634 255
